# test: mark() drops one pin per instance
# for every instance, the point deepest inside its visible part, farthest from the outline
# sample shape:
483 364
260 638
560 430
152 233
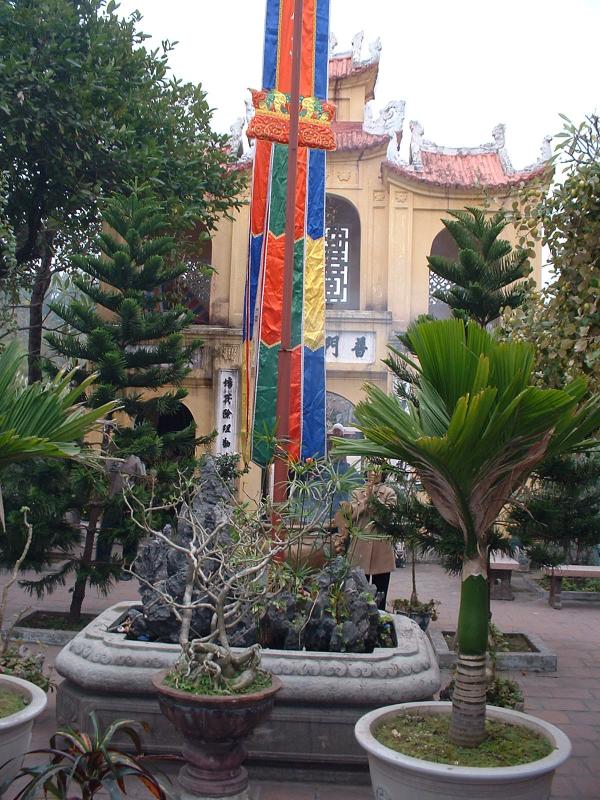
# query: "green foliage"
86 110
558 518
480 427
402 606
563 320
125 331
43 420
478 431
205 685
45 488
23 665
487 266
89 764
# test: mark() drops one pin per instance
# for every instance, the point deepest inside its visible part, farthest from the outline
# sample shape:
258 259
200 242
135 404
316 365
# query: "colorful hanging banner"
263 304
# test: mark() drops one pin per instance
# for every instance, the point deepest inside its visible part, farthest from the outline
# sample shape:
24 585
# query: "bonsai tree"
486 266
478 431
227 564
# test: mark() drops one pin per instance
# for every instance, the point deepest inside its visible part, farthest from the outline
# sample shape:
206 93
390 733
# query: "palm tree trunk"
467 727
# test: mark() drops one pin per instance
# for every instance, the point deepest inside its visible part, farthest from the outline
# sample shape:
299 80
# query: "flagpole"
284 372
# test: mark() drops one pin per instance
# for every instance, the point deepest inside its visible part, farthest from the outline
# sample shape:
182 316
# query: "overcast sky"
461 66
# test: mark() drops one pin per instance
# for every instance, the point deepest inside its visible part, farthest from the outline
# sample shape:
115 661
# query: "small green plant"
505 693
498 643
402 606
574 584
21 664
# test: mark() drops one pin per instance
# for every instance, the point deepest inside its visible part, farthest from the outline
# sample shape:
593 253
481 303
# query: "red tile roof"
463 170
350 136
342 67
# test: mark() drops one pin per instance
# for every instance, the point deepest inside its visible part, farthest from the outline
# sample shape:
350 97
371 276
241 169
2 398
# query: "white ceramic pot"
398 777
15 730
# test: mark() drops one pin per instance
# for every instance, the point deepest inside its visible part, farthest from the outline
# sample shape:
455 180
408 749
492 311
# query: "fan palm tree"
478 430
43 420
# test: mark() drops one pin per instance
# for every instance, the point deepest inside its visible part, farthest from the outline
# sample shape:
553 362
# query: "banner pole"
284 372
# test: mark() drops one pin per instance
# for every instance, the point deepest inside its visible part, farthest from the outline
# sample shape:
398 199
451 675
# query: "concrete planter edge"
15 730
395 776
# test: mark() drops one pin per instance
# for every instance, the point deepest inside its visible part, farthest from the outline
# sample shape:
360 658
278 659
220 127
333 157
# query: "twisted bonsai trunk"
467 727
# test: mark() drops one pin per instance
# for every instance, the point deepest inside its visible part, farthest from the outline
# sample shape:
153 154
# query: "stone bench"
501 570
556 574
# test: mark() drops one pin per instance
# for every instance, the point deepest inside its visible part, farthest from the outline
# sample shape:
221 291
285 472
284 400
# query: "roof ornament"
388 123
357 43
236 132
333 42
499 136
375 50
416 143
545 149
239 143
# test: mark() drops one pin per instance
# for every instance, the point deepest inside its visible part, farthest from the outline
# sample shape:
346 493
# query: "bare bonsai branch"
12 580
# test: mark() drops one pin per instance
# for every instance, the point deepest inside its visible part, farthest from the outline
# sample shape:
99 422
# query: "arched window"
342 253
340 411
443 245
192 289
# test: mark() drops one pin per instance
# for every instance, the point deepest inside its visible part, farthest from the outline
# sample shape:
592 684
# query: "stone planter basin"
311 727
15 730
395 776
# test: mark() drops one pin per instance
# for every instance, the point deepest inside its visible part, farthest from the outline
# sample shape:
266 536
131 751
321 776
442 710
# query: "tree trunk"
467 727
41 284
86 559
413 597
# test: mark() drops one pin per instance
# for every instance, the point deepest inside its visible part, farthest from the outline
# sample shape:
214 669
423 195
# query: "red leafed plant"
89 763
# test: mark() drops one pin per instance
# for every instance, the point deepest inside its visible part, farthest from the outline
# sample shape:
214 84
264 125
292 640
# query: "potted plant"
21 702
421 613
476 432
91 763
217 693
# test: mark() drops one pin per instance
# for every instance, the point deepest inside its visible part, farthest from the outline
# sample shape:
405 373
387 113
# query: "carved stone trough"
311 730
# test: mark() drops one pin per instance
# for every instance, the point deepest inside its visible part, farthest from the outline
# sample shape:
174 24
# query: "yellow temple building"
383 218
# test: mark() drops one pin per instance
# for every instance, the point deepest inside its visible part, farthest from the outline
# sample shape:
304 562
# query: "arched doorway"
442 245
342 253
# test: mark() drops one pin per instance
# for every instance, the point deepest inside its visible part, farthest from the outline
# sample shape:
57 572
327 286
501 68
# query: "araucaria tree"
558 521
125 328
86 110
483 275
478 431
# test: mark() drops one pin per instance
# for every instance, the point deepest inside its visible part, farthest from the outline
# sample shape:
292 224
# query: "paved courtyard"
570 697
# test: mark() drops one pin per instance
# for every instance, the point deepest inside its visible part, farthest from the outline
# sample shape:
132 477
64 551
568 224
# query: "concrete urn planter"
395 776
214 729
15 730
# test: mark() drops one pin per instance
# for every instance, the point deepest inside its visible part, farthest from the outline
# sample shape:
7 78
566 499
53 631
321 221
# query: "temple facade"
383 218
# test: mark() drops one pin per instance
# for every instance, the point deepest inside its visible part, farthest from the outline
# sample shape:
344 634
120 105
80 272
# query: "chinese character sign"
351 347
227 411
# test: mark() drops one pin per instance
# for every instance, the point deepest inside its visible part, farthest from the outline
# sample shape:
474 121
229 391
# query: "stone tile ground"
569 698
